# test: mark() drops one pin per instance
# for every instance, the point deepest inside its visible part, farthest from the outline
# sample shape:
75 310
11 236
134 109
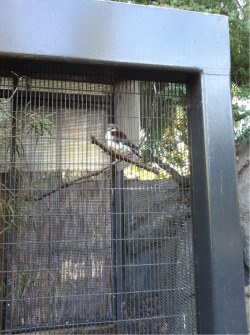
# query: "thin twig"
7 189
7 227
14 92
2 231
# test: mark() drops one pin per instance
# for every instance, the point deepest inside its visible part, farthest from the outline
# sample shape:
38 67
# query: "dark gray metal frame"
195 44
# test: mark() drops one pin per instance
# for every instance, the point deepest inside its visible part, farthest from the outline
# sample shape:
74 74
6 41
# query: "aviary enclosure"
100 240
86 241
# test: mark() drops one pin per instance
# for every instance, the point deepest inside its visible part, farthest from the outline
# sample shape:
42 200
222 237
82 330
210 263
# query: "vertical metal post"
117 241
12 205
215 209
113 245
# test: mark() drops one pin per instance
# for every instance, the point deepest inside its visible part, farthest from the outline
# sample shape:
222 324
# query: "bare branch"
119 157
183 181
82 178
239 5
115 158
243 168
241 116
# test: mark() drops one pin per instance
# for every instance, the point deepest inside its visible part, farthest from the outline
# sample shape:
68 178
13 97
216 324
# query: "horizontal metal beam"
101 31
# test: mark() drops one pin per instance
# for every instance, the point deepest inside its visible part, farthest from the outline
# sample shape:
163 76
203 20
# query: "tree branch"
241 116
239 5
115 158
82 178
244 167
119 157
183 181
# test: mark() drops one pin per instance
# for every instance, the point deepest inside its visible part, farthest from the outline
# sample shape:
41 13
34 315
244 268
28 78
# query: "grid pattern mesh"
94 241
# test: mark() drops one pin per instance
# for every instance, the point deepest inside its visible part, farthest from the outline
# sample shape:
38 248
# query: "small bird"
118 141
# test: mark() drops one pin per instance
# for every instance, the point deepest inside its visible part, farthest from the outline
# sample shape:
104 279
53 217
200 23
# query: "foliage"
164 129
17 129
133 172
20 124
241 111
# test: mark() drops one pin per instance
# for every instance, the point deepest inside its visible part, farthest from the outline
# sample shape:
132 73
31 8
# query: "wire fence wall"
94 240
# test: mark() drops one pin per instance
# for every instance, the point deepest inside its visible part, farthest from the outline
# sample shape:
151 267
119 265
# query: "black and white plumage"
118 141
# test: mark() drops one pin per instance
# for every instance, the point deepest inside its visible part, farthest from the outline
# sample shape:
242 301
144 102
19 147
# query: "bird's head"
112 127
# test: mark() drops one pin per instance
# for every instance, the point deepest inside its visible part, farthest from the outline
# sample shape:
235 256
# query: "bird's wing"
118 134
120 137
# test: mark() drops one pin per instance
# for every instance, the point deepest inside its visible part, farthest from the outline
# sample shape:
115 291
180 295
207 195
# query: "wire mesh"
94 240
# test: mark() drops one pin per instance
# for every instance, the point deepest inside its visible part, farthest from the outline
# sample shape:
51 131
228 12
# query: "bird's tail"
135 152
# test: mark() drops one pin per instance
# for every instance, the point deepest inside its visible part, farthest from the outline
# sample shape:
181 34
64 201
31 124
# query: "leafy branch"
17 126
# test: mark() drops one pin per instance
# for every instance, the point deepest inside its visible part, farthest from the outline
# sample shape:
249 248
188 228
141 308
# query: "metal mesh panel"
94 241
